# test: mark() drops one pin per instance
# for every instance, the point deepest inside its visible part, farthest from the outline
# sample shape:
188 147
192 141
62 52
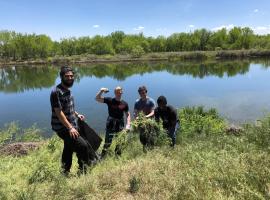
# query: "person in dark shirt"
64 122
168 114
117 108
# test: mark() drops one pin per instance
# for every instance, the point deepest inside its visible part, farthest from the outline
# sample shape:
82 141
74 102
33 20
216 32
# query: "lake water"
239 90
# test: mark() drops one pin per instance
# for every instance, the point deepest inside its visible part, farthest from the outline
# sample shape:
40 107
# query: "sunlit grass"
206 163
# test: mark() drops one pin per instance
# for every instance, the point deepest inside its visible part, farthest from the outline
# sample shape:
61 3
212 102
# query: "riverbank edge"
161 56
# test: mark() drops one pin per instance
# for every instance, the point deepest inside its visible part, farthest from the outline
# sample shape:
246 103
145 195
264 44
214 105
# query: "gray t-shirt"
145 106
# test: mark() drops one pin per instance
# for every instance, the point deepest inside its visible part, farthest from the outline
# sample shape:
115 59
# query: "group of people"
64 118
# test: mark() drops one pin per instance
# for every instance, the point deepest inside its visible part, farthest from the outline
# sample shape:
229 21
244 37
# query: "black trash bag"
89 134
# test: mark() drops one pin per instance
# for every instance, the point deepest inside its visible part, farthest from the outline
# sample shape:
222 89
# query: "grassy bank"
207 163
170 56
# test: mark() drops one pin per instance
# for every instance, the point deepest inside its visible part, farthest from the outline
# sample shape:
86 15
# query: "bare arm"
61 116
99 98
128 118
135 113
150 114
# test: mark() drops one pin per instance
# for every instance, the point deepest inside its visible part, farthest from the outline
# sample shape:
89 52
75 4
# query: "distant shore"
162 56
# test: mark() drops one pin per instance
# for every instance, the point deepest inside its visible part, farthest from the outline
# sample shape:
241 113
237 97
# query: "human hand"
127 127
73 133
105 90
81 117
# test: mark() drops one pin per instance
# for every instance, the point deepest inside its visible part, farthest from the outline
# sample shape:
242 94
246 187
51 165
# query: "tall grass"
206 163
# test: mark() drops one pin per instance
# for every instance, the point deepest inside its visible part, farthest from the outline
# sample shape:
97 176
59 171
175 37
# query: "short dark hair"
64 70
162 100
142 88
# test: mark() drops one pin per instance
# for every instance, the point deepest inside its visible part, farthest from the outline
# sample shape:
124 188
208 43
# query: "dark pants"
78 145
172 133
113 126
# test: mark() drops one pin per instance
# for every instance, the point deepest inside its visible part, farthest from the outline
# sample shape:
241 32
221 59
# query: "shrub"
197 121
137 51
134 184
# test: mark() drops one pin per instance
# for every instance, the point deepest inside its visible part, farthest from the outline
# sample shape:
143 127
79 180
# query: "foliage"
12 133
197 121
32 134
18 46
6 134
262 136
134 184
206 166
137 51
151 133
119 143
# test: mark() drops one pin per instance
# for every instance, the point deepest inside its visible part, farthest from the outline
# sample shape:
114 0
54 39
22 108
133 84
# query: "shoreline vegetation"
209 161
161 56
238 42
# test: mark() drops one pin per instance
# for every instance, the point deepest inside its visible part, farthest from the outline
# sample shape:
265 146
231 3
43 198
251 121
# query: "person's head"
162 102
67 76
142 91
118 91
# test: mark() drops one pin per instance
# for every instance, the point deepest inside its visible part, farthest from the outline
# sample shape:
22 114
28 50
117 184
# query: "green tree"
117 38
218 39
101 45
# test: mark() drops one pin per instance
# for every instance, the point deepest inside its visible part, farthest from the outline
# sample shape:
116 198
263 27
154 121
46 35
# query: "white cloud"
191 26
261 30
256 10
228 27
139 28
96 26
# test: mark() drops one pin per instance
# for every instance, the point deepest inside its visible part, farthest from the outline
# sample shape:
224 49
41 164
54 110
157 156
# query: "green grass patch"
206 163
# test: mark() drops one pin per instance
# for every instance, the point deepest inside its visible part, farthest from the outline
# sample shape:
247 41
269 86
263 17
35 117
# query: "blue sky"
66 18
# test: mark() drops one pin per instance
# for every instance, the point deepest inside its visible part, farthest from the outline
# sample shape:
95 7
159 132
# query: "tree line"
18 46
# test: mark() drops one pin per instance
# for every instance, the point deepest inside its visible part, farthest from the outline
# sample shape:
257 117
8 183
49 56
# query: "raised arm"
99 97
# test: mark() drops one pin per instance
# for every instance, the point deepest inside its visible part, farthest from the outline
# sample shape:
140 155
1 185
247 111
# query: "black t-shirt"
168 116
116 108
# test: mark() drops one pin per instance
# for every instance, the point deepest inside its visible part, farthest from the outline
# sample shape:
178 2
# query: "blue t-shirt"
145 106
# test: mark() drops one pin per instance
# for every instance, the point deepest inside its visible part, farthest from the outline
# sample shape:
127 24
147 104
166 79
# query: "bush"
197 121
260 133
137 51
134 184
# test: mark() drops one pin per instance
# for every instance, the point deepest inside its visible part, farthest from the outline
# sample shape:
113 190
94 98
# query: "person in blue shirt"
144 104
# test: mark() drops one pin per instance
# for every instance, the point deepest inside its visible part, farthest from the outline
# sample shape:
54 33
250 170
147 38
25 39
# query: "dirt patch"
19 148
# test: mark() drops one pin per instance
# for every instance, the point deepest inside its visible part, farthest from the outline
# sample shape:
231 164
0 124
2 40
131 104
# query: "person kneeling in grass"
168 114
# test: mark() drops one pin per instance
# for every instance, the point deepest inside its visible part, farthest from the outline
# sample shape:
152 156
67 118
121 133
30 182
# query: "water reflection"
20 79
238 89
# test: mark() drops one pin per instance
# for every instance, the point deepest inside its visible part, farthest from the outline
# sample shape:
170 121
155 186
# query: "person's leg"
172 133
108 141
67 152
